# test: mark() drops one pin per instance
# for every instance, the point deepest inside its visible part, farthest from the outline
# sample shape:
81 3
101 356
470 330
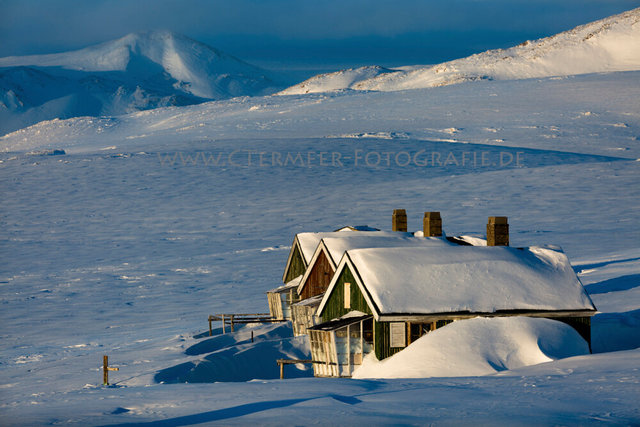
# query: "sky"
302 32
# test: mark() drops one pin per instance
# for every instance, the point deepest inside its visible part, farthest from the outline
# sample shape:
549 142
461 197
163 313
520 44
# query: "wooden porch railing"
240 318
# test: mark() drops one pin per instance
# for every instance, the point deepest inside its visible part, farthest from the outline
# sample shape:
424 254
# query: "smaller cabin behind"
281 298
300 255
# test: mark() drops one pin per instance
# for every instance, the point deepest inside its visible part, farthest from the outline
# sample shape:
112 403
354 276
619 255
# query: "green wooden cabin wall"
335 306
296 267
382 341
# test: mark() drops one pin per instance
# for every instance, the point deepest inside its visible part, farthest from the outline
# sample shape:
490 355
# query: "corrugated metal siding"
296 267
319 277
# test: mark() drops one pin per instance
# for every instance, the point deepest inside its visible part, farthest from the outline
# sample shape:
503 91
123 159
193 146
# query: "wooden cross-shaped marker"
106 369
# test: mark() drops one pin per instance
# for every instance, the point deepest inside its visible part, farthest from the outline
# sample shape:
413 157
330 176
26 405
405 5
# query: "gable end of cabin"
319 278
341 303
295 265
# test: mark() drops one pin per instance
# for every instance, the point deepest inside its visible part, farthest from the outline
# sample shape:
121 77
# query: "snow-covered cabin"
281 299
382 299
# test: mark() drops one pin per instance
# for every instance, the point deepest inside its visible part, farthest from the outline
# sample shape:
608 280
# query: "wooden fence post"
232 330
223 330
210 330
281 370
106 369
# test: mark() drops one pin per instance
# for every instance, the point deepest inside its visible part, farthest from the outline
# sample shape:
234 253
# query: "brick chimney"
399 220
497 231
432 224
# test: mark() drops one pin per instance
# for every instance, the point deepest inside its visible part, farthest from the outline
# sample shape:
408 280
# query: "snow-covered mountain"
136 72
610 44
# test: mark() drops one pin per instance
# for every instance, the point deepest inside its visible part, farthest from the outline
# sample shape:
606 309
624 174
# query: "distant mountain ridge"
136 72
610 44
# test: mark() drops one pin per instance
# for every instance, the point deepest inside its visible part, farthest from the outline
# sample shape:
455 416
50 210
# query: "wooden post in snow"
210 329
106 369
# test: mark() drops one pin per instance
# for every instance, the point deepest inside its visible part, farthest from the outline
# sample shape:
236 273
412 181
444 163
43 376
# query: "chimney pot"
432 224
399 220
497 231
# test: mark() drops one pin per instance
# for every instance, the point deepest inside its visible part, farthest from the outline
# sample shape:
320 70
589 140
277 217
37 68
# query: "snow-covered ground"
154 220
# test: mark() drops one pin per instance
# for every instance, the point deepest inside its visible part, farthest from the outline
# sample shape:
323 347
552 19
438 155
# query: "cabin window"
418 329
347 295
398 334
367 330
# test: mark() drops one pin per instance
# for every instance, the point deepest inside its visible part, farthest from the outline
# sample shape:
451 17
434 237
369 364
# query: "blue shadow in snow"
622 283
212 344
350 400
615 331
219 414
579 268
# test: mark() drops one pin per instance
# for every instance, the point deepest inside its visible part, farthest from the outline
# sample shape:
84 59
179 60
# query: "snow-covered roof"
293 283
309 241
357 228
336 246
449 279
338 243
311 302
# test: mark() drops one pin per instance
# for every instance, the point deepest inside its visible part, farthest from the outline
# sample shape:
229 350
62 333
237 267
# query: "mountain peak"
136 72
610 44
197 68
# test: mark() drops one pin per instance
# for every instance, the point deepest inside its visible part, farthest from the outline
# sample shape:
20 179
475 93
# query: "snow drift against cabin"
610 44
480 346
